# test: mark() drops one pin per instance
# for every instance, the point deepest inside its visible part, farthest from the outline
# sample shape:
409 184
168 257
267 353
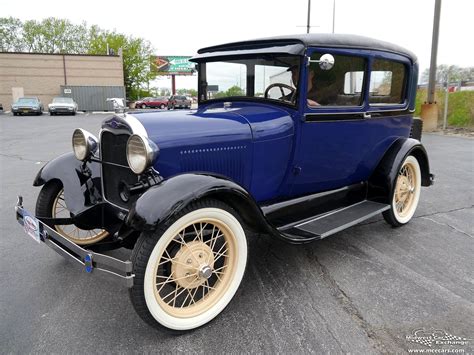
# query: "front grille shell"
115 169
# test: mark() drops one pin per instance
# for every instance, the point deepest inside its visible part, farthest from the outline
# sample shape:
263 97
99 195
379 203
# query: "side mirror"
326 62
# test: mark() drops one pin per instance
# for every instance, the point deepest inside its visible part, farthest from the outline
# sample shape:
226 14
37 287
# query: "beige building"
42 75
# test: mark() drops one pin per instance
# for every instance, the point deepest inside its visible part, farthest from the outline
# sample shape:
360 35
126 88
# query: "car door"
339 142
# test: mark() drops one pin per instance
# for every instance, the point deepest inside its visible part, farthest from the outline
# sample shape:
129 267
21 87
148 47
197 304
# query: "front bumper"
61 109
26 110
91 262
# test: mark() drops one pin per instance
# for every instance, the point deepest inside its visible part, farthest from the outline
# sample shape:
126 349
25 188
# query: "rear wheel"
188 270
406 193
162 106
51 204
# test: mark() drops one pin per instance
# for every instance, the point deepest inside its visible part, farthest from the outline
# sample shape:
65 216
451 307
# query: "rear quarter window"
387 82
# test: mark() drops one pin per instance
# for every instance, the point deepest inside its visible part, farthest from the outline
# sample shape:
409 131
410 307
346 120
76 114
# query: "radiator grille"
113 150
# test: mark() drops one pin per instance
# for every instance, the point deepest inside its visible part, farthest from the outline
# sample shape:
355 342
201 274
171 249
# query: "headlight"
83 144
141 153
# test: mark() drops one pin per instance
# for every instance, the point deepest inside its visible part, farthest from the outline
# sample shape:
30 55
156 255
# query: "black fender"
382 181
170 196
81 181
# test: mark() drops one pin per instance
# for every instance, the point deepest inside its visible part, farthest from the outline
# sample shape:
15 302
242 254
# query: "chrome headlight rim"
141 153
84 144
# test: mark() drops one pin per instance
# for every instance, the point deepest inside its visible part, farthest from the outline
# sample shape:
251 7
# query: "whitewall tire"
188 271
406 193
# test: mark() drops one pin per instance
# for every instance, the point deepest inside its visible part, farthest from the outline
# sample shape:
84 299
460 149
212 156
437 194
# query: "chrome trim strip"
135 125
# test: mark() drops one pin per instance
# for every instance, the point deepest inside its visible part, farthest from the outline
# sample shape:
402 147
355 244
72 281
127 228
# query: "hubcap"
192 265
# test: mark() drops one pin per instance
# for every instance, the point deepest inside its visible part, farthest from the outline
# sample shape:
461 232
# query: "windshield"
66 100
27 100
267 77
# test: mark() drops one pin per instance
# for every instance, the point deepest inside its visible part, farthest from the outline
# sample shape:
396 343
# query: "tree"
235 91
53 35
11 35
454 73
136 54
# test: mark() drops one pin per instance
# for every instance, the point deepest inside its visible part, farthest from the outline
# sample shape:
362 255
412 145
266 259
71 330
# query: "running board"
332 222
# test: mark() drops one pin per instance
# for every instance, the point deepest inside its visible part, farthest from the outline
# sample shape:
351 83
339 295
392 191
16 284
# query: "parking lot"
364 290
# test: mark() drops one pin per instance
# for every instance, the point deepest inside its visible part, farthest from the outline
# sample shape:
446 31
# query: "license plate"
32 227
25 111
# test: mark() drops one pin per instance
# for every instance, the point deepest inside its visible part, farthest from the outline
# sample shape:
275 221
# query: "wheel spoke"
171 275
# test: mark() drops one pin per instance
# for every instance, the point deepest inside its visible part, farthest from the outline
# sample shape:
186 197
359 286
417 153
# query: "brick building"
43 75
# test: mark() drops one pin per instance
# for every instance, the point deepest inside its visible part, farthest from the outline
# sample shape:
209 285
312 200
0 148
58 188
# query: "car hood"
187 129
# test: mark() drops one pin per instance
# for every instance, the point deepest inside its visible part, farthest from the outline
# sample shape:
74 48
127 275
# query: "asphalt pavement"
369 289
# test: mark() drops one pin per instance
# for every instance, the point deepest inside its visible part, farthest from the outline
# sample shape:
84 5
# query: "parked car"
62 105
325 146
152 102
179 101
25 105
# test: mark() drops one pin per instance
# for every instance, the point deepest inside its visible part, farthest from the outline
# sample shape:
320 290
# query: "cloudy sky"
182 27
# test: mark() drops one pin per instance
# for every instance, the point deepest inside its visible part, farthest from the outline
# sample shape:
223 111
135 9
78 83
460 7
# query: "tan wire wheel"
70 231
407 190
195 268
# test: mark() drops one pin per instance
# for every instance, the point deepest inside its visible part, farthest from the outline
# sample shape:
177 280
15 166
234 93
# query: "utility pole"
308 26
429 110
434 53
446 94
333 15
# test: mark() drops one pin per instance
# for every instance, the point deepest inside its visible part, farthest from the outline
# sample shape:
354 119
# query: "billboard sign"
168 65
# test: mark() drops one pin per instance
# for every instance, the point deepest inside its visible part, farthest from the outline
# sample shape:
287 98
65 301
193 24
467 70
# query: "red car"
152 102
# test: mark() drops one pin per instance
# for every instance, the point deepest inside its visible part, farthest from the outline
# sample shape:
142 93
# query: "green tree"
454 73
11 35
136 57
235 91
53 35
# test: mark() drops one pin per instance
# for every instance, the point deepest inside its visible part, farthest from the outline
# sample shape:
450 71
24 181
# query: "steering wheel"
281 86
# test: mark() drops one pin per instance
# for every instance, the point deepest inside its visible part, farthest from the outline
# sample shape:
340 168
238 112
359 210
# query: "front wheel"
188 270
406 193
51 204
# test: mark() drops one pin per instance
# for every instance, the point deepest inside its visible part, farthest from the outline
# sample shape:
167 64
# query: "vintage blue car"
298 137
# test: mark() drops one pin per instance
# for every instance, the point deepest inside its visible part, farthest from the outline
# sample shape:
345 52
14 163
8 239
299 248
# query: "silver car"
62 105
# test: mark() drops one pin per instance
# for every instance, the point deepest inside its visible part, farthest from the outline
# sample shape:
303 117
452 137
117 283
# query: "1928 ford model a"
299 137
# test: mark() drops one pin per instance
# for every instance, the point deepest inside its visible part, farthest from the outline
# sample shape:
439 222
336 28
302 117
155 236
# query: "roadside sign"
171 65
67 91
213 88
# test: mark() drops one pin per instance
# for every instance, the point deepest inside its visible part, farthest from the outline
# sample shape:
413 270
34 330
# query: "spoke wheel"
194 269
70 231
406 193
51 204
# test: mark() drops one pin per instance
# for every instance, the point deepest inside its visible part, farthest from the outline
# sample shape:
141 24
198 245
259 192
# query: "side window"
387 82
340 86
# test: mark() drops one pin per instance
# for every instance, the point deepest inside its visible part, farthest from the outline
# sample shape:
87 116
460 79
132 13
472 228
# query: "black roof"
316 40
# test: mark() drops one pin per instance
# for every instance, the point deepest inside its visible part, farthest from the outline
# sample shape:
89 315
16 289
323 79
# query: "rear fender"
382 181
162 201
81 181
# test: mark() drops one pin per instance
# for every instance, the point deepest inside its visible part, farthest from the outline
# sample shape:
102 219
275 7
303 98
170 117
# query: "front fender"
81 190
169 197
382 181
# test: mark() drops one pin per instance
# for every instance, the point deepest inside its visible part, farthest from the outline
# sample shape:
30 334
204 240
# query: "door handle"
367 115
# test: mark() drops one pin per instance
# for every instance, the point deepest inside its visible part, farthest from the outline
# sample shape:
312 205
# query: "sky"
182 27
